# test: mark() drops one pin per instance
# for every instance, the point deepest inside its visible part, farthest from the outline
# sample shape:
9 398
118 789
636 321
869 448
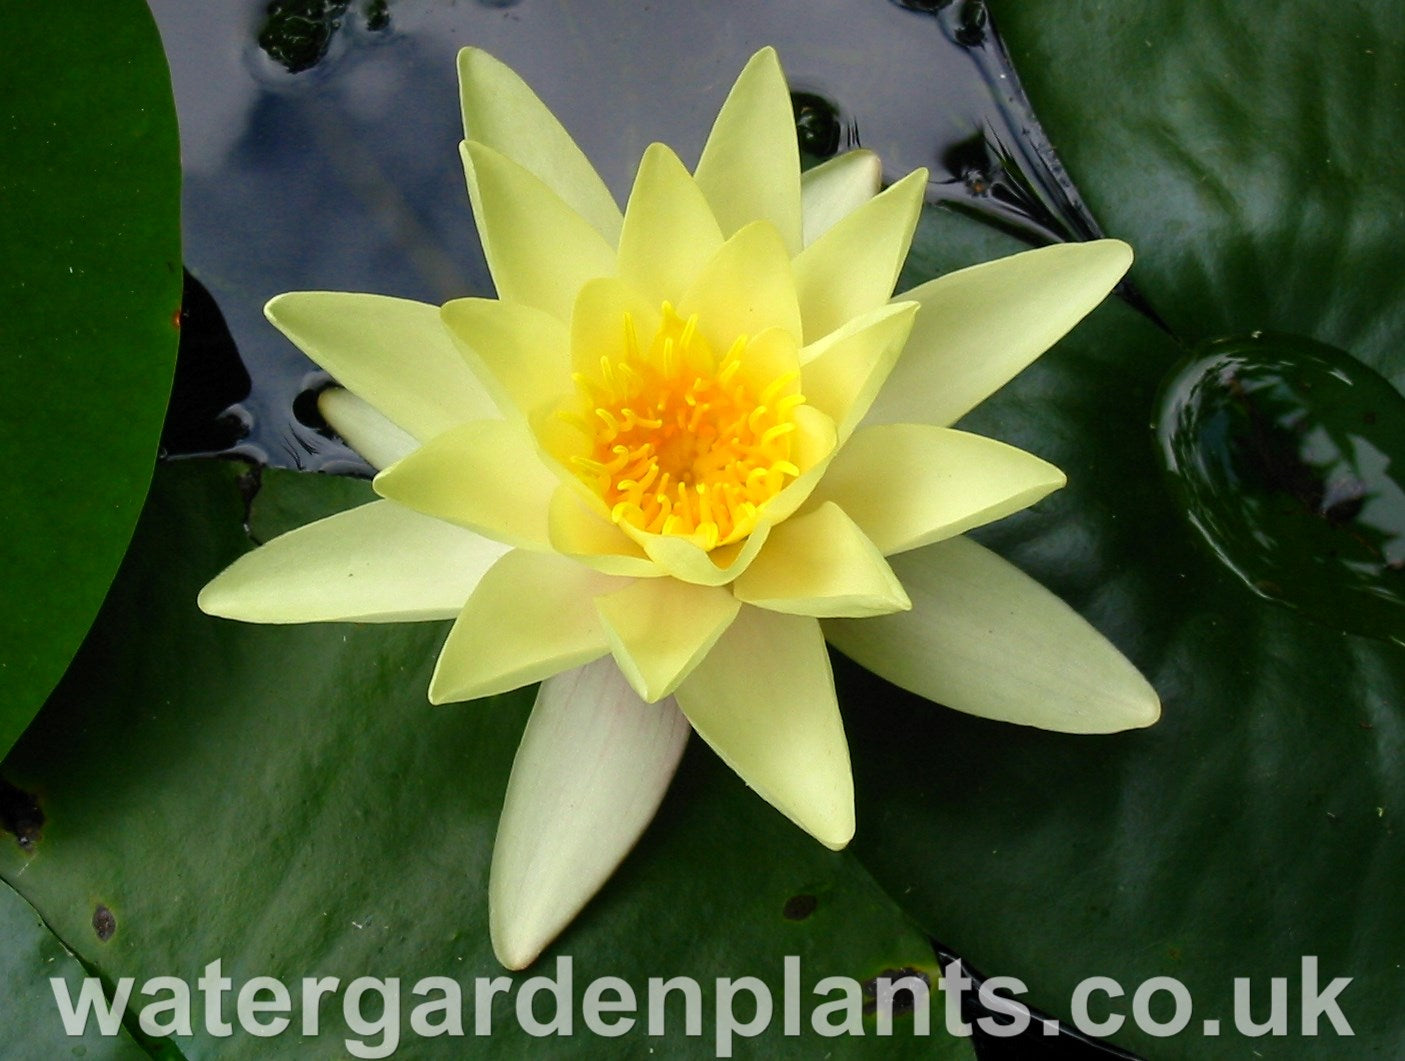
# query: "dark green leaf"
1252 158
30 960
90 285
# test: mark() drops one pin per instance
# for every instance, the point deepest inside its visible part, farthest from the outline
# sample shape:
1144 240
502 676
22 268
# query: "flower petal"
684 560
750 165
391 352
501 111
578 531
821 564
377 563
483 475
852 268
531 616
669 231
598 331
985 638
845 370
591 771
539 250
909 485
813 446
979 327
379 442
831 190
764 699
746 288
660 629
520 354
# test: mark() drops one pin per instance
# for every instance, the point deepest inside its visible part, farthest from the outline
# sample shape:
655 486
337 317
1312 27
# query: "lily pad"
34 968
1252 160
90 284
286 801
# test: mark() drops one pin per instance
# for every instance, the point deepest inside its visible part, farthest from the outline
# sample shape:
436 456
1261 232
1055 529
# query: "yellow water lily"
677 452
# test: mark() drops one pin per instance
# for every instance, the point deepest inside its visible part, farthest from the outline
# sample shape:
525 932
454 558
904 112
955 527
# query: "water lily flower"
677 452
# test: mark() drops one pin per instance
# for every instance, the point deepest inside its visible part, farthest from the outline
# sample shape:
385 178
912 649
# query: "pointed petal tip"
512 953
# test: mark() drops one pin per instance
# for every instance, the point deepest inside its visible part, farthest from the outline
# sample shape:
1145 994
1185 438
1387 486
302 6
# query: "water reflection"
345 176
1290 458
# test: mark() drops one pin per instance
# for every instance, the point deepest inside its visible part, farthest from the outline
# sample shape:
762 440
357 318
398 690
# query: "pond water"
343 173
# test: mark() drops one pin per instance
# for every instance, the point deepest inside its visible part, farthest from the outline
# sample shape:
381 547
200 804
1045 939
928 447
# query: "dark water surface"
345 174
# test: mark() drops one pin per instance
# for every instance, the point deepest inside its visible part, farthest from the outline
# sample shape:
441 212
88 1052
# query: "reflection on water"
1290 457
345 175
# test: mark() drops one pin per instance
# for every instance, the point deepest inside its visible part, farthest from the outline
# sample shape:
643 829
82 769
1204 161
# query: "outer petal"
852 268
683 560
370 434
746 288
831 190
764 699
669 231
531 616
590 773
821 564
485 476
980 326
844 371
376 563
750 165
578 531
391 352
501 111
909 485
985 638
539 250
520 354
660 629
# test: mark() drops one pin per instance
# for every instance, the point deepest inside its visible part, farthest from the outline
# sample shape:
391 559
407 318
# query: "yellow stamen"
683 443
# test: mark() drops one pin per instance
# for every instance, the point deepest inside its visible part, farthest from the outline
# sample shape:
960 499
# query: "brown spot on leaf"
104 924
21 814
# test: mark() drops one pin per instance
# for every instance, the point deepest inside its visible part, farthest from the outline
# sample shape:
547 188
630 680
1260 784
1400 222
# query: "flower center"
684 442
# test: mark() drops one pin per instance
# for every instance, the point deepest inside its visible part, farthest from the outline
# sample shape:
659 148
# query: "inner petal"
681 439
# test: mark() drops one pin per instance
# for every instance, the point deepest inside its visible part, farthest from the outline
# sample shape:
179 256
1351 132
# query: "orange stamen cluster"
685 443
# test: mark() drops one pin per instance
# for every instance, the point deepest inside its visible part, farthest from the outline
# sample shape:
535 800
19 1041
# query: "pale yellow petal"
909 485
577 530
750 165
379 442
521 354
746 288
377 563
985 638
484 475
813 447
501 111
835 188
851 269
599 330
980 326
532 615
845 370
539 250
391 352
682 559
660 629
821 564
592 768
763 698
669 230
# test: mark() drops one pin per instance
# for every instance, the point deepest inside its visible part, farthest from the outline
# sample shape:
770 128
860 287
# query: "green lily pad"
286 801
90 284
31 962
1251 157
